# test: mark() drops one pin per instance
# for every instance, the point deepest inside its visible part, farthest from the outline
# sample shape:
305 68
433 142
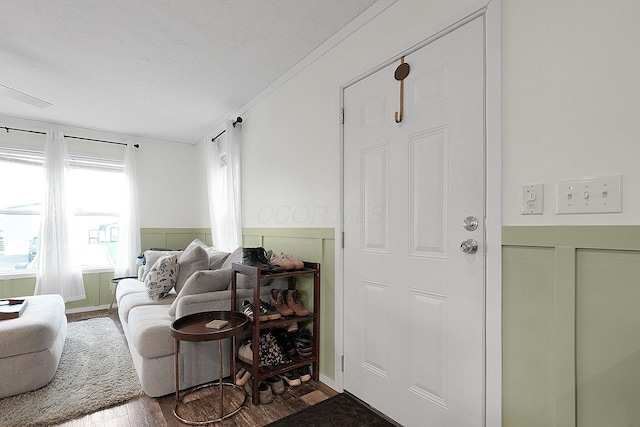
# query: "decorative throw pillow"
193 259
216 257
201 282
162 277
150 258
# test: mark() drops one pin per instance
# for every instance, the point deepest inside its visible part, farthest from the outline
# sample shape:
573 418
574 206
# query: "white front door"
413 300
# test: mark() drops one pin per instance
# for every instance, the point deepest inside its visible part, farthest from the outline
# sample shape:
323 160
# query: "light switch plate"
601 194
532 199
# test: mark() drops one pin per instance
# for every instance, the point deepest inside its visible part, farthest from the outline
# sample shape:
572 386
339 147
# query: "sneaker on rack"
269 310
304 343
264 392
282 261
297 264
245 353
305 373
277 384
292 378
247 308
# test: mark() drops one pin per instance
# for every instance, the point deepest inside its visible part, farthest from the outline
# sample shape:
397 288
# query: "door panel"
414 302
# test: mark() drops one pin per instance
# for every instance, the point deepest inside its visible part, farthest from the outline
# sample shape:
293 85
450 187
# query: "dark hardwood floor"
147 411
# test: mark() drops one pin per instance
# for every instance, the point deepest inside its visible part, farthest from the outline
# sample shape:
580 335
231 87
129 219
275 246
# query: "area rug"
341 410
95 372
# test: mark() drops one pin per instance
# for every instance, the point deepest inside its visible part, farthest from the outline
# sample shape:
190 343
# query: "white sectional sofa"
201 286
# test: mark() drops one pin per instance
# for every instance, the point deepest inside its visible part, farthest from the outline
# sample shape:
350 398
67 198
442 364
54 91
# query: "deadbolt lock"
470 223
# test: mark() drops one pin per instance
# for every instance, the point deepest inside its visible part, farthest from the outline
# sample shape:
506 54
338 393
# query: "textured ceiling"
165 69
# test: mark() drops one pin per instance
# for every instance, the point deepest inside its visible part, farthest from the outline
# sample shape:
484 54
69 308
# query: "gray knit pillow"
193 259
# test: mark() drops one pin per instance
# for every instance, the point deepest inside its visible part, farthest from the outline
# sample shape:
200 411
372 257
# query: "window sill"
26 274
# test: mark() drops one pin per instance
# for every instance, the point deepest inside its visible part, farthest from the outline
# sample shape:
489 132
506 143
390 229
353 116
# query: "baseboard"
329 382
87 309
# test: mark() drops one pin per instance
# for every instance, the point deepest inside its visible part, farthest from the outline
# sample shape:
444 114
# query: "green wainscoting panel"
314 245
18 287
608 338
527 335
91 290
170 238
204 234
571 326
97 288
98 285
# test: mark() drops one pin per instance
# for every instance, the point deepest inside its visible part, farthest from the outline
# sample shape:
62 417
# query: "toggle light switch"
601 194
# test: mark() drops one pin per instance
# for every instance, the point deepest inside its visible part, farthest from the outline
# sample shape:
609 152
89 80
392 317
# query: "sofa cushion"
201 282
150 258
129 286
139 299
36 329
216 257
150 329
194 258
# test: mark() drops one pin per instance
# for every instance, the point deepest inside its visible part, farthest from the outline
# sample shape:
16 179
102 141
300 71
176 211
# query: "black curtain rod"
238 120
68 136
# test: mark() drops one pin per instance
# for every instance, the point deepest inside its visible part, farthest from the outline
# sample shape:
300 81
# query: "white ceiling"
165 69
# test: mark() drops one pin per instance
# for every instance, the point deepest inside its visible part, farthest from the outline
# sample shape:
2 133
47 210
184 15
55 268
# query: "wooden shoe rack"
261 373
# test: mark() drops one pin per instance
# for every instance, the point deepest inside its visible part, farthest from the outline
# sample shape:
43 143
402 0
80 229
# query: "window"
95 187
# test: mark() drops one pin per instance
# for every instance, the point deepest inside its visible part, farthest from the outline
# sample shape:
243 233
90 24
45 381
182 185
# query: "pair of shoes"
285 342
242 377
305 373
287 262
245 353
265 395
292 378
257 257
277 384
286 302
247 308
304 343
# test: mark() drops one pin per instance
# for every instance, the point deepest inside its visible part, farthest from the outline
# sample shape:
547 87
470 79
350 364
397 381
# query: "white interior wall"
201 196
167 180
290 139
168 183
570 100
570 97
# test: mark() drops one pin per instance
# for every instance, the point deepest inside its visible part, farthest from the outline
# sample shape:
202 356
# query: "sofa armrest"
220 300
207 301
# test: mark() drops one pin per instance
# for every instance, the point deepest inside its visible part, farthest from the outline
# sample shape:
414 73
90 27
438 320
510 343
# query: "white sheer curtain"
224 189
129 241
58 271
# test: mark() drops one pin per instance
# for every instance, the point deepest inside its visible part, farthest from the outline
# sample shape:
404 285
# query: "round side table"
193 328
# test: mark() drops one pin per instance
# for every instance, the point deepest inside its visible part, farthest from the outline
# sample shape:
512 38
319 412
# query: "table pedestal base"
216 389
